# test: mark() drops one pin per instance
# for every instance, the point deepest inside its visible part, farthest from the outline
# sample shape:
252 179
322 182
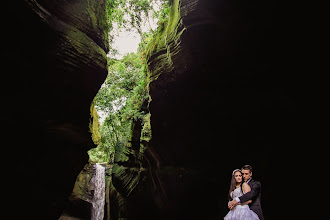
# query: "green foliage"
133 14
120 97
126 88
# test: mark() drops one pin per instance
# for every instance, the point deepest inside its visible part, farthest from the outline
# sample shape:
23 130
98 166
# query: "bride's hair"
233 181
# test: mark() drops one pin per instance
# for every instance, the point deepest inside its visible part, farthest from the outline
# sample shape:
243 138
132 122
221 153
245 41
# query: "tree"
120 97
134 14
125 89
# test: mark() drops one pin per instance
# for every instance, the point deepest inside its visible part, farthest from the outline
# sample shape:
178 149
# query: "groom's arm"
252 194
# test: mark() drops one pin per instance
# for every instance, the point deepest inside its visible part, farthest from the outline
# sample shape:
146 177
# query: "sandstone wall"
221 97
53 61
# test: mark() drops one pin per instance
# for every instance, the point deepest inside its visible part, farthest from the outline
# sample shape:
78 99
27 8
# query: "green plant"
126 89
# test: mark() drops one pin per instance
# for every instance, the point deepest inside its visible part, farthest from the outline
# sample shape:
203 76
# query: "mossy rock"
166 51
88 16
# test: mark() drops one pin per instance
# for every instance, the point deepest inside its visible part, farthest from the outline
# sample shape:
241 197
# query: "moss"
146 130
167 31
98 14
82 46
165 42
94 125
88 16
128 176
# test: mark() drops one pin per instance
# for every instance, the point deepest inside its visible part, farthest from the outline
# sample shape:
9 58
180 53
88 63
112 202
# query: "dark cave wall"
223 98
53 61
233 105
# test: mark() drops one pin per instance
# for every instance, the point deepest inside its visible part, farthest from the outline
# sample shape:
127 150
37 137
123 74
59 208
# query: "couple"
245 196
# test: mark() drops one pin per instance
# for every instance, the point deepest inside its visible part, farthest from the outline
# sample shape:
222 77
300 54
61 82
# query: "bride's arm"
246 188
252 194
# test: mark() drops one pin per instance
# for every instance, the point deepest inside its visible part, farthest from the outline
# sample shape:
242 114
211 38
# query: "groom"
254 194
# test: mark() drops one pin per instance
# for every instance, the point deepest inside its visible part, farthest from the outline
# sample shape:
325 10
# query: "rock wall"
53 61
221 97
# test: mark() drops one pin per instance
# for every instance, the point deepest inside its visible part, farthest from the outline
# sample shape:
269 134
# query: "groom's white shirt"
237 199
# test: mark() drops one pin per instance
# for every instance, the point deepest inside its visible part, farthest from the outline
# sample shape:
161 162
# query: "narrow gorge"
220 96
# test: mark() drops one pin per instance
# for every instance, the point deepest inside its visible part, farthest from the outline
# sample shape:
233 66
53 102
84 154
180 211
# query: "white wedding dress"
241 212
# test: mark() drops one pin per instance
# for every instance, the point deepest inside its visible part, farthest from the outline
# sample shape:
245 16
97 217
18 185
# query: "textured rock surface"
221 98
53 62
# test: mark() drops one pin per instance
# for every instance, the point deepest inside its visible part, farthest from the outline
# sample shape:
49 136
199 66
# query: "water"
99 193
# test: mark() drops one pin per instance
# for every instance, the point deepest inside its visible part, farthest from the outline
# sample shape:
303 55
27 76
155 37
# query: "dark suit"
255 196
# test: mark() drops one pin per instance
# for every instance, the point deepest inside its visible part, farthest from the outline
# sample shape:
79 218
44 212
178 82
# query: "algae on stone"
165 44
94 125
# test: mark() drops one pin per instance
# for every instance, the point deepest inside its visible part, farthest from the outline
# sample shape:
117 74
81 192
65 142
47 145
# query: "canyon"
221 96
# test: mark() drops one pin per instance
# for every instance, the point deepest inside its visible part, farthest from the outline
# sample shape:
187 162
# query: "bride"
238 188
